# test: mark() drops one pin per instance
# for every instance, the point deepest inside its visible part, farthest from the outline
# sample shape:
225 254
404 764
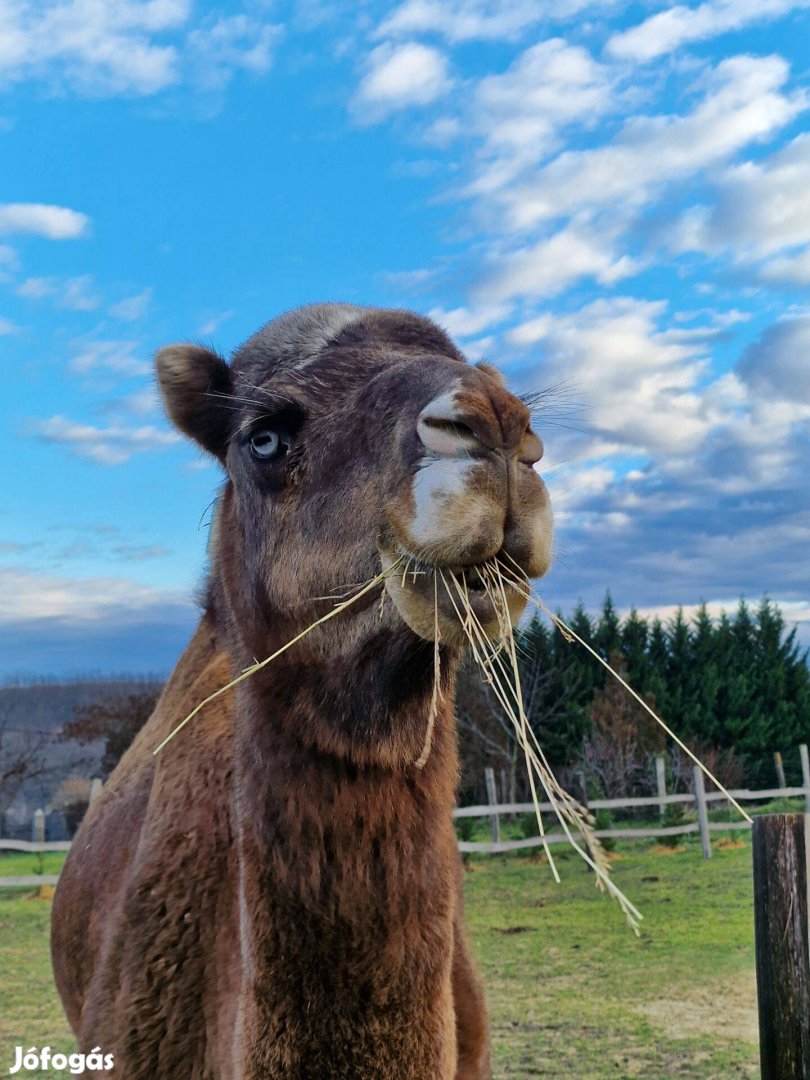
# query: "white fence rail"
702 826
495 811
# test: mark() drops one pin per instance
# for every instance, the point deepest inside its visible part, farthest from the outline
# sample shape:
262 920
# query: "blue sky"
613 199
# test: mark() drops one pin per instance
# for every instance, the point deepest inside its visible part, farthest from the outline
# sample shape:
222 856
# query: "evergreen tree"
607 635
635 634
657 678
679 648
738 683
702 680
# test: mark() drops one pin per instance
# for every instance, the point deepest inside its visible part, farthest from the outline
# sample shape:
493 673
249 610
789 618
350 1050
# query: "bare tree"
722 763
115 720
618 753
23 758
491 738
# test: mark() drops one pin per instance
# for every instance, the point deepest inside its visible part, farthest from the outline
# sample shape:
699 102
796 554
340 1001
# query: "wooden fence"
699 798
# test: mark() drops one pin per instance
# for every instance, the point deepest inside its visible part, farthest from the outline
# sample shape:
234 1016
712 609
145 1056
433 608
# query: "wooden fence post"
780 769
38 827
703 813
492 799
805 775
781 844
661 782
505 786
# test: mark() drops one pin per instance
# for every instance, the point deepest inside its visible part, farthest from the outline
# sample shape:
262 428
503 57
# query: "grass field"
572 993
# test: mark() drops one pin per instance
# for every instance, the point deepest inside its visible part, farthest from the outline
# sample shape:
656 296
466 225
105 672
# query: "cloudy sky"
612 200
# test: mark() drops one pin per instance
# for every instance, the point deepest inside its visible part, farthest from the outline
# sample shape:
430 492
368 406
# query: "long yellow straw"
263 663
571 635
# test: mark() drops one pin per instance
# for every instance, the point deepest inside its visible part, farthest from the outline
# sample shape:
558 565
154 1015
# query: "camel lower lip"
454 601
459 591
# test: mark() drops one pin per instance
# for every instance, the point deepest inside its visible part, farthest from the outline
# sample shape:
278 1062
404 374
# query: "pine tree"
607 635
635 634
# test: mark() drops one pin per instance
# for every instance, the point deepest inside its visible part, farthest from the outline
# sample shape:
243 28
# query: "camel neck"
347 889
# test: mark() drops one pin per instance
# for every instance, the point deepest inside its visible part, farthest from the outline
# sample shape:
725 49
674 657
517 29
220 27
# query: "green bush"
674 814
527 825
465 828
604 820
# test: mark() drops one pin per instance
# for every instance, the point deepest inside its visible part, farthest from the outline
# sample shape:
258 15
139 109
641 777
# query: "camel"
277 894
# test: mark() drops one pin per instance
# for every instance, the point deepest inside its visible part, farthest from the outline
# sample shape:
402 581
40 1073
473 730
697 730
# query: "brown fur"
277 895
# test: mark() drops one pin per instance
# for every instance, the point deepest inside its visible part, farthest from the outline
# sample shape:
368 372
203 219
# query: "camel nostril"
442 430
453 428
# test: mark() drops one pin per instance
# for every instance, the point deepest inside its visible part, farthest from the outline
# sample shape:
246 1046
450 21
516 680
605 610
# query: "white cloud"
211 324
465 322
9 262
519 114
96 48
789 270
131 307
142 402
794 611
471 20
26 596
133 47
777 366
762 208
461 20
640 386
116 356
400 76
140 552
73 293
552 266
7 327
580 485
743 104
52 222
111 445
233 42
668 30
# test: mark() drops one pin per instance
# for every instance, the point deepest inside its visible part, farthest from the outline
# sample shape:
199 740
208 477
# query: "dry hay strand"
498 660
248 671
571 636
499 664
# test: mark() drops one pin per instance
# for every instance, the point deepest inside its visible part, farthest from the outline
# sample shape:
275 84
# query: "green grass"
572 992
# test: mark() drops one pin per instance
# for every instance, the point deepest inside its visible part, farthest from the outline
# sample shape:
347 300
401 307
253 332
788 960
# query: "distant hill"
42 708
46 706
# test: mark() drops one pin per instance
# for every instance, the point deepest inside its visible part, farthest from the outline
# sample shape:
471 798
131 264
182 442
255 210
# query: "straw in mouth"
496 655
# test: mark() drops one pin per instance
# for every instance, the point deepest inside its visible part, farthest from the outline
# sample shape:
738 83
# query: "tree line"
736 689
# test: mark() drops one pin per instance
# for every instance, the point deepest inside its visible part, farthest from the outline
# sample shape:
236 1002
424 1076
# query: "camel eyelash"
287 420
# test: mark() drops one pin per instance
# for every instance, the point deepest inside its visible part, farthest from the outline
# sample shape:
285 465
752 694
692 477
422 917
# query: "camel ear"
493 372
190 379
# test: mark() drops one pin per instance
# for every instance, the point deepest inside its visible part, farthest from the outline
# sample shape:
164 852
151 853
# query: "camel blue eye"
266 445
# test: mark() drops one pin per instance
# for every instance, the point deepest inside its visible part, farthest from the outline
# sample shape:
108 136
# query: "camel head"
355 439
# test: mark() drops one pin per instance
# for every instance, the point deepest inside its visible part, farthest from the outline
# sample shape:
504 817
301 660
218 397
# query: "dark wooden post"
781 849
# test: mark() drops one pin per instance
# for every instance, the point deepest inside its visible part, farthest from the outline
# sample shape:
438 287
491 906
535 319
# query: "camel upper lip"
467 577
